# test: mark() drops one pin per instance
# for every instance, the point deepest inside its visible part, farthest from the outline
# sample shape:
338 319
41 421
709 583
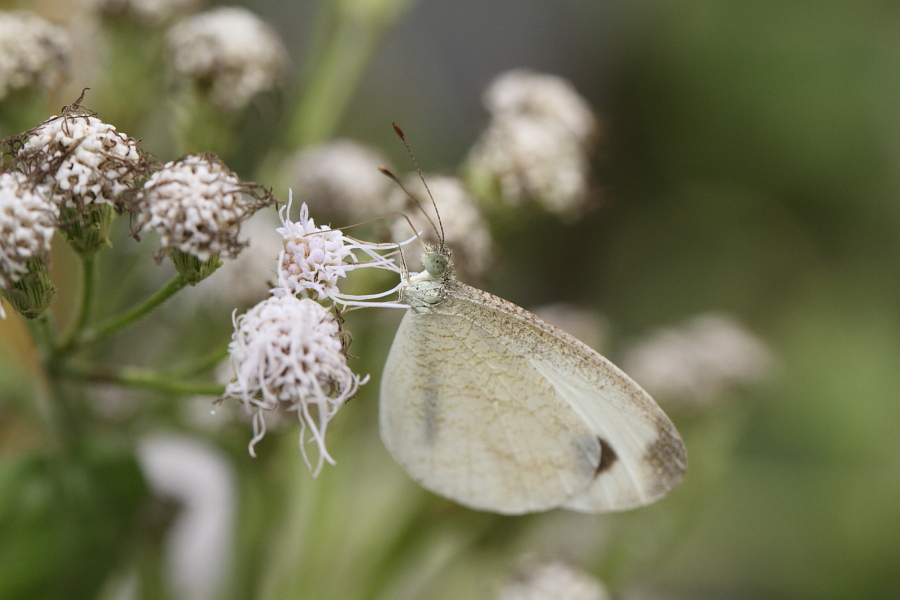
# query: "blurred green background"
750 163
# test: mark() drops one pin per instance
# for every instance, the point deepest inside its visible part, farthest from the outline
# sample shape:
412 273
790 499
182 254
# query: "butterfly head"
438 261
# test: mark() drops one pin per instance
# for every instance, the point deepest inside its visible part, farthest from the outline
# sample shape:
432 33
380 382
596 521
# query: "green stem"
143 378
349 47
88 262
42 333
122 321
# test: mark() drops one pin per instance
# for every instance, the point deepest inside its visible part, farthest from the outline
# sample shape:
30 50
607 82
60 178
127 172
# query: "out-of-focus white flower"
699 362
200 542
529 161
231 53
34 54
82 160
289 351
587 325
549 99
145 12
537 144
464 227
553 581
27 223
196 205
342 178
316 257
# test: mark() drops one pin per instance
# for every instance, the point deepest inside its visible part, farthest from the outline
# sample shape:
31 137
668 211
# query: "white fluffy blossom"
553 581
342 178
33 53
145 12
537 144
289 351
698 362
27 223
196 204
231 51
82 160
465 229
315 258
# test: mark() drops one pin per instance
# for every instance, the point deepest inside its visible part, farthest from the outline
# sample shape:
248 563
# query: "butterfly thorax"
430 287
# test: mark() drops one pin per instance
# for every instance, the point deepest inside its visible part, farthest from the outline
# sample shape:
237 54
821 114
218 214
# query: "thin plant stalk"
116 323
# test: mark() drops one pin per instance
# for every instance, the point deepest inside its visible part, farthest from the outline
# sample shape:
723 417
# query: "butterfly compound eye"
435 263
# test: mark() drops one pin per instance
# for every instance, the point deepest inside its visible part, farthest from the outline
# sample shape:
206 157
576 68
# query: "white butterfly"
487 404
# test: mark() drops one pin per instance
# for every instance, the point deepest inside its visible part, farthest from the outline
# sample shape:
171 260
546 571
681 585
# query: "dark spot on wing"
667 458
431 408
608 457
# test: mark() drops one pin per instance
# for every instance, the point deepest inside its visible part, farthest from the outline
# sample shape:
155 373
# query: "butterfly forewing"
487 404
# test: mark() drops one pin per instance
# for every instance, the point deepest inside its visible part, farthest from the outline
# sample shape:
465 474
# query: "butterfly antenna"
396 180
409 151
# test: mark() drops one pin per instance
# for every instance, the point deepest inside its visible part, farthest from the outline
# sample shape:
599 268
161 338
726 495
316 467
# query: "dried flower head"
34 54
316 257
149 13
27 223
537 144
231 53
553 581
196 205
82 161
699 362
289 351
465 229
342 178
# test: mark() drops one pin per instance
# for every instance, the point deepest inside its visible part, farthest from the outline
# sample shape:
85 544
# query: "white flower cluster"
313 258
342 178
287 350
230 50
699 362
465 229
33 53
146 12
316 257
195 204
553 581
27 223
83 161
537 144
